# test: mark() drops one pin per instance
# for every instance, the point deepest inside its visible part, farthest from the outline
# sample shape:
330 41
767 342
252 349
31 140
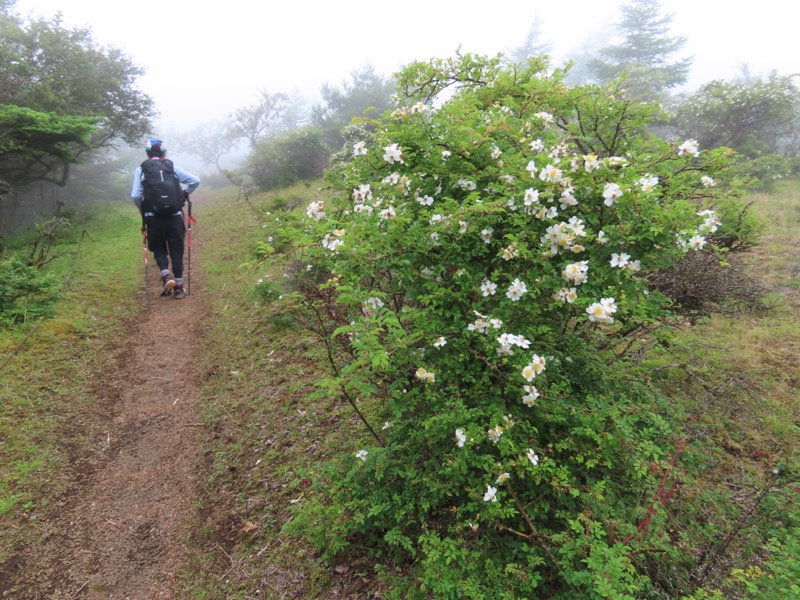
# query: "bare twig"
78 591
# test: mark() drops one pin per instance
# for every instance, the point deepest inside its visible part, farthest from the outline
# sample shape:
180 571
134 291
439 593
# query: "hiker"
159 196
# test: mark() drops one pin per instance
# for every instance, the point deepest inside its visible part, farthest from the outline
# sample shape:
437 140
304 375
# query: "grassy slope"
742 373
46 423
264 429
738 378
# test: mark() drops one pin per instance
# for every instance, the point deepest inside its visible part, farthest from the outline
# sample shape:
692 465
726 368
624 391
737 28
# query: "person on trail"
159 196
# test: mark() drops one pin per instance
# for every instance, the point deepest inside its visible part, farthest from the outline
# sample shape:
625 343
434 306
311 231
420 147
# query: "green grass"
777 259
738 376
748 365
264 429
44 388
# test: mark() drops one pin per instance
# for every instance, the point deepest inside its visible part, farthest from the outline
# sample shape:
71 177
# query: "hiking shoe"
179 293
166 289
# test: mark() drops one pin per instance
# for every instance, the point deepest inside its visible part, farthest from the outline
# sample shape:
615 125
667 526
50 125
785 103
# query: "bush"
794 165
766 170
49 230
781 575
352 134
702 283
477 282
281 161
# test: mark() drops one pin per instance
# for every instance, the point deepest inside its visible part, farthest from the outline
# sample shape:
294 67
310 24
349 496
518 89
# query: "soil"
122 531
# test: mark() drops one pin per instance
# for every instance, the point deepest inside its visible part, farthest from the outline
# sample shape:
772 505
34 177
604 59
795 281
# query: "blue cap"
155 142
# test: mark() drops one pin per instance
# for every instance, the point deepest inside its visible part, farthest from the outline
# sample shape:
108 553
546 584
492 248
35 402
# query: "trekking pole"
189 222
146 278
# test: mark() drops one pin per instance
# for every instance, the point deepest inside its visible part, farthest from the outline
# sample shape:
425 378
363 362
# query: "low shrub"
766 170
281 161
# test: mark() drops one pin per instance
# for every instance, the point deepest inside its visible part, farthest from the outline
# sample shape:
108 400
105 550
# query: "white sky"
203 60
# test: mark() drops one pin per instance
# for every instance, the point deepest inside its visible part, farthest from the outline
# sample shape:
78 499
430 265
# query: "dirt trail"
122 533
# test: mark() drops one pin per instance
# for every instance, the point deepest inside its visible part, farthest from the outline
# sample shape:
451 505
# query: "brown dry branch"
700 284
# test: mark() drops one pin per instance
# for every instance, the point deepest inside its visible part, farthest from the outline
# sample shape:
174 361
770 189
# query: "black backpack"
163 194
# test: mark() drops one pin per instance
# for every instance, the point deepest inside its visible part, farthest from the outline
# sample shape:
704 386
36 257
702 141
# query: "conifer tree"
645 55
534 44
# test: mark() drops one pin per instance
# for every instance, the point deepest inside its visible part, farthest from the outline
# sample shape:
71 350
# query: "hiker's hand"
185 195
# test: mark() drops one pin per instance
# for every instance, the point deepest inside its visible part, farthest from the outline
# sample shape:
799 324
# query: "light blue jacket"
190 181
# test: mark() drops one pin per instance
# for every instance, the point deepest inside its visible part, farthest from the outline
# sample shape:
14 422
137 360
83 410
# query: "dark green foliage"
33 143
51 68
61 95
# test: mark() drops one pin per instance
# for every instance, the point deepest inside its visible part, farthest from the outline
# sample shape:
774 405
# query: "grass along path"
264 429
119 530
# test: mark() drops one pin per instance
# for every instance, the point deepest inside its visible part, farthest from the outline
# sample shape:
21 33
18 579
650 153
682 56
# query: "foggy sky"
204 60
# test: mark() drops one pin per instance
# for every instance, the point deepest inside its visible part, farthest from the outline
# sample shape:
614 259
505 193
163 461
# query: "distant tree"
752 115
209 142
62 96
644 56
296 115
365 94
581 57
254 122
533 45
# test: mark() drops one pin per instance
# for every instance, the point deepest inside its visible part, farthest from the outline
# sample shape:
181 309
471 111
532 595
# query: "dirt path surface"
122 531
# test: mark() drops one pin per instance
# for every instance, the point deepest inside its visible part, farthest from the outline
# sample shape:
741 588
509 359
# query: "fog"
203 61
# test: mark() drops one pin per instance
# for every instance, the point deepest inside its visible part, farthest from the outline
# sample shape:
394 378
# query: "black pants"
165 236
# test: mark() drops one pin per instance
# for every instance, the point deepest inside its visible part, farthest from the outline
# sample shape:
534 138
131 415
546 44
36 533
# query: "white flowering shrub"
477 282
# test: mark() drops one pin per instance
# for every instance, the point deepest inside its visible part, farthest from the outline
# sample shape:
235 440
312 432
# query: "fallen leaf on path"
249 526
